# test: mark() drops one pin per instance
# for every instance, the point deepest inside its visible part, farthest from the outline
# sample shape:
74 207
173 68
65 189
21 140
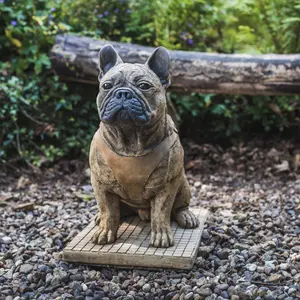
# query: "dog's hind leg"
125 211
144 214
180 212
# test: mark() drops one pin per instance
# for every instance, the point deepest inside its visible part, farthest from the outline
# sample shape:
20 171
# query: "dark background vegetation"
43 119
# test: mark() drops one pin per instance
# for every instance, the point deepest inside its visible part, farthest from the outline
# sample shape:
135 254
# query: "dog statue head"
132 94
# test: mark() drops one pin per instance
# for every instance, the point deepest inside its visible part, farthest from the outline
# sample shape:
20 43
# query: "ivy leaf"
291 20
14 41
219 109
42 61
63 27
39 20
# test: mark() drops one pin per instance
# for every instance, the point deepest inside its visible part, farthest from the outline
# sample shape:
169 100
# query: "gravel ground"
250 246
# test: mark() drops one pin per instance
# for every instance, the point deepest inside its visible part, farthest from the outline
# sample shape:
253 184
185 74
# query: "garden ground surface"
249 250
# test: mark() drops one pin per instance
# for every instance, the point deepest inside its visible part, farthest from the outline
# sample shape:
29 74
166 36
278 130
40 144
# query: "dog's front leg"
109 215
161 207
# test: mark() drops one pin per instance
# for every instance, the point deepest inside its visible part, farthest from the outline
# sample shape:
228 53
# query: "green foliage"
230 115
43 119
251 26
105 18
262 26
36 111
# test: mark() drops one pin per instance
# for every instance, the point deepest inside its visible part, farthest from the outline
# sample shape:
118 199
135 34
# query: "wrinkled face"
129 94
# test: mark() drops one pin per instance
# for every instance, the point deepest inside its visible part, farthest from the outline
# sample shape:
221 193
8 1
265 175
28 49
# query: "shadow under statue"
136 158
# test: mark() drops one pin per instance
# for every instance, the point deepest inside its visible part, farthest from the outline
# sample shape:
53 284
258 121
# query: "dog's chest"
135 178
142 189
138 177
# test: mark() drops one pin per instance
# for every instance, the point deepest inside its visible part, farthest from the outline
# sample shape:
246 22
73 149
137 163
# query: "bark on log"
76 58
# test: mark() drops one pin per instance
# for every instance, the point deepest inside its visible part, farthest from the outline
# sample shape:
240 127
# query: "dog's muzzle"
124 105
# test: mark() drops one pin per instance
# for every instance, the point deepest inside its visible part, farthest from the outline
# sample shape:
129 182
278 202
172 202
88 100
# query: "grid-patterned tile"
132 246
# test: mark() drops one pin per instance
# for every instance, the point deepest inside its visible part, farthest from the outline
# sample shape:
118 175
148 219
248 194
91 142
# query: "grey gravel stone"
204 291
284 266
221 287
251 267
170 295
274 277
8 274
6 239
248 237
189 296
185 289
59 277
26 268
84 287
223 253
204 251
126 283
146 288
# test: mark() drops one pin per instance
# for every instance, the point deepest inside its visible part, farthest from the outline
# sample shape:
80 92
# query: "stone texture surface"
254 220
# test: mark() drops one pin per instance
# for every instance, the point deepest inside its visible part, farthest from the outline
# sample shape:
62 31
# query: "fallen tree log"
76 58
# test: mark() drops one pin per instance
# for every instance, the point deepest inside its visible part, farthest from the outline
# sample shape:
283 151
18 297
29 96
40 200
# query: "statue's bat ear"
108 58
159 63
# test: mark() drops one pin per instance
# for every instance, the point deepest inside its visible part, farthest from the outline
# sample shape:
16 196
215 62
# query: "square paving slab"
132 248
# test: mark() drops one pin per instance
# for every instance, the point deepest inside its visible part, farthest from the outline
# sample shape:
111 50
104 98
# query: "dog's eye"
144 86
107 86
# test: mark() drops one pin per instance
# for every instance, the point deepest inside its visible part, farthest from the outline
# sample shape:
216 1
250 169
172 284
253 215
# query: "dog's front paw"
186 219
104 236
162 237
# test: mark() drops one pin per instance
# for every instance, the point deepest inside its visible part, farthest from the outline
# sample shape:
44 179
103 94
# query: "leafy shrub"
221 115
44 119
33 100
105 18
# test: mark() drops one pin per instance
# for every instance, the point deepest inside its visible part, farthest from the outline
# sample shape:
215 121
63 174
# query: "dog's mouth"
125 106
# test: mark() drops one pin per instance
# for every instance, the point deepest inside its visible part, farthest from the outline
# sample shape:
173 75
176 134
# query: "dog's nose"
123 94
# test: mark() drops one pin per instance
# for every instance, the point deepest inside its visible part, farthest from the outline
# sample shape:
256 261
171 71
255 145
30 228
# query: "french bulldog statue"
136 158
